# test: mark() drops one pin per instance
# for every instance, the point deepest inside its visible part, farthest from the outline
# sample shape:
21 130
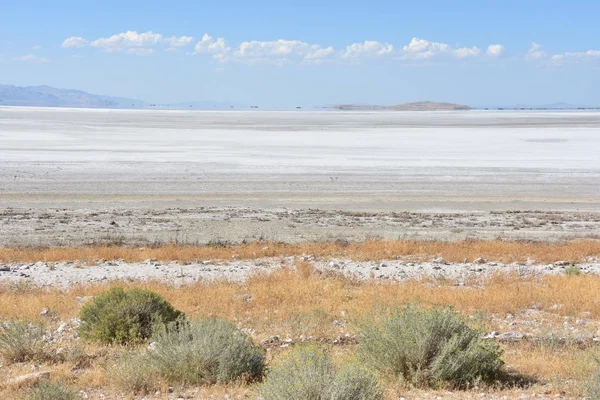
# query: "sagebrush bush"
47 390
21 341
428 348
134 373
125 316
308 373
201 352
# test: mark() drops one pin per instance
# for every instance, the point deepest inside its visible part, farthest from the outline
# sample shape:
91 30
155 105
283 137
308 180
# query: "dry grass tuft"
497 250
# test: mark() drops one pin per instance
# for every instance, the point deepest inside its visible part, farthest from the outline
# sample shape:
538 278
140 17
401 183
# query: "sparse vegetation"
495 250
125 316
572 270
308 373
593 386
322 308
47 390
21 341
428 348
205 351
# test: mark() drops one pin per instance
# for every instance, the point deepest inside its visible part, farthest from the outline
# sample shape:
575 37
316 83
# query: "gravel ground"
65 274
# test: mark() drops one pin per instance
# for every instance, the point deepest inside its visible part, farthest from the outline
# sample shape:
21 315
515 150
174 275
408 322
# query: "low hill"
416 106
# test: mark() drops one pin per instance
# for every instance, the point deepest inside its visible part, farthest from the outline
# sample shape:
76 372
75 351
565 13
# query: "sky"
308 53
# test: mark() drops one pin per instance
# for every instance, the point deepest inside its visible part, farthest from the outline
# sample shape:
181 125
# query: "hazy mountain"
46 96
416 106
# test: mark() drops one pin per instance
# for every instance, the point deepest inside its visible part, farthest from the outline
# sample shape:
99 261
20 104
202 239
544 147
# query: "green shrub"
125 316
47 390
572 270
308 373
429 348
205 351
21 341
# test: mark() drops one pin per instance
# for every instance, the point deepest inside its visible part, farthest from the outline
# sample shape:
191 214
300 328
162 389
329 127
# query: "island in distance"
415 106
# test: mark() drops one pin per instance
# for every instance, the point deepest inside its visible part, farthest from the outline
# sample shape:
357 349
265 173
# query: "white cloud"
422 49
33 59
559 59
280 52
494 50
369 48
465 52
127 40
36 47
74 41
319 56
209 45
535 52
181 41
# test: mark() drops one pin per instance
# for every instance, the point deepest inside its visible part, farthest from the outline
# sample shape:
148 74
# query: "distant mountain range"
415 106
47 96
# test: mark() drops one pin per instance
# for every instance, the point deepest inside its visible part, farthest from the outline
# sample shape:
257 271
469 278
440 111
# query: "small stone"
62 328
561 263
439 260
479 260
45 311
510 336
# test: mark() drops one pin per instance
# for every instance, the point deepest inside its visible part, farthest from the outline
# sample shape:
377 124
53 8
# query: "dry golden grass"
293 303
303 302
572 251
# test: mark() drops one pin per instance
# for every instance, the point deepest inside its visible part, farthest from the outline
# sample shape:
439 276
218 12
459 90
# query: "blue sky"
275 53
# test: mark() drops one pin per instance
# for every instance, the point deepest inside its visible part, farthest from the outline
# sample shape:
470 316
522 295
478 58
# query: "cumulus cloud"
127 40
130 42
276 52
75 41
535 52
209 45
33 59
369 48
280 52
319 56
494 50
36 47
422 49
465 52
181 41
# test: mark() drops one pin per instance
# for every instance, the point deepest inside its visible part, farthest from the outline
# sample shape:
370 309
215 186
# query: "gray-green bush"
125 316
47 390
21 341
201 352
428 348
308 373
